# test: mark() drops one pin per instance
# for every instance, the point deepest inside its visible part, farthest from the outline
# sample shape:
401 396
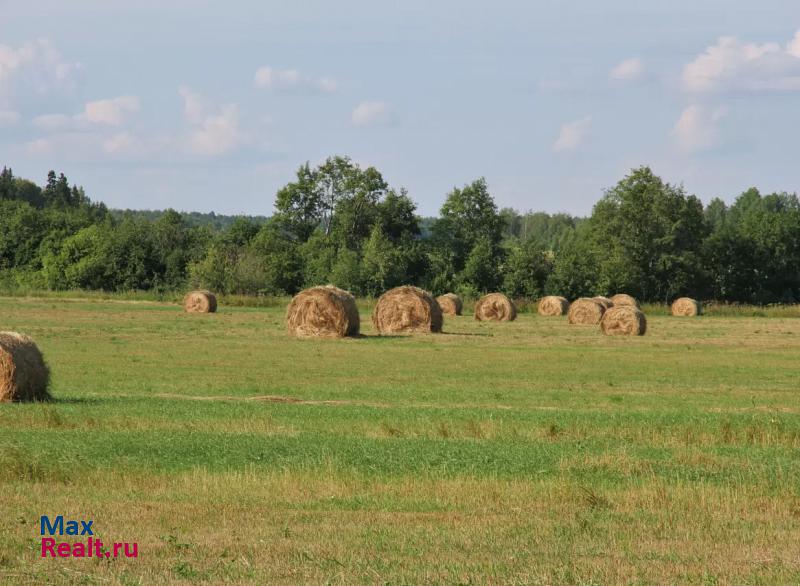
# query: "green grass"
529 452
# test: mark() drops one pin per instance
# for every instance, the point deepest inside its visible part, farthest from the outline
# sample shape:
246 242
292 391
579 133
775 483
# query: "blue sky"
206 106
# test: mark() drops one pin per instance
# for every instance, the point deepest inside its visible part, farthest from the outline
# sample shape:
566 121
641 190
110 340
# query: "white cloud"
51 122
194 106
100 131
291 79
210 133
697 128
572 134
8 118
122 143
98 144
217 134
39 146
793 48
730 65
371 114
628 70
36 64
113 112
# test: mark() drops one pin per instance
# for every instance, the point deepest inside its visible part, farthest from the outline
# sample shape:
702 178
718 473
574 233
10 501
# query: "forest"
343 224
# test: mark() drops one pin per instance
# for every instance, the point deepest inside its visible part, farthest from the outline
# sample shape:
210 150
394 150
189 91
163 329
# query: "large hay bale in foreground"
323 312
407 309
450 303
604 301
495 307
200 302
585 311
623 320
553 305
685 307
624 299
23 374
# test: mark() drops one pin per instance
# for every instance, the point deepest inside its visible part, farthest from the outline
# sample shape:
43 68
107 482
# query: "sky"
211 106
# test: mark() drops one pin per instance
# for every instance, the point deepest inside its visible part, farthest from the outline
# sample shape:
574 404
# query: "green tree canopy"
648 236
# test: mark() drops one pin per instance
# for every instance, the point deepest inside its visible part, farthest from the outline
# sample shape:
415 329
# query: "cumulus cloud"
371 114
793 48
572 134
8 118
39 146
731 65
210 133
122 143
99 143
217 134
101 131
291 79
35 64
628 70
113 112
697 128
52 122
194 105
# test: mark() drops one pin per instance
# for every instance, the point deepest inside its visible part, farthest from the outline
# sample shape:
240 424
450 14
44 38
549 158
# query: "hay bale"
495 307
323 312
585 311
200 302
686 307
604 301
23 374
450 303
553 305
624 299
407 309
623 320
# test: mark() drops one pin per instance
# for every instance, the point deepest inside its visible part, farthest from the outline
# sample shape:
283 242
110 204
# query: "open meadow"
531 452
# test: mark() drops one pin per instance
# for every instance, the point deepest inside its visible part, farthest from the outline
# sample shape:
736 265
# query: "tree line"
343 224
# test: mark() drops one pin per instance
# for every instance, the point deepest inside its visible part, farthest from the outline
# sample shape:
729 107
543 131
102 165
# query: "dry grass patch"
495 307
623 320
407 309
450 303
685 307
323 312
585 311
553 305
624 299
24 376
200 302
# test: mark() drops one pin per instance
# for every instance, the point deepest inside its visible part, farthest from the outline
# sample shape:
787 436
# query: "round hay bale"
323 312
495 307
200 302
585 311
623 320
450 303
604 301
23 374
407 309
685 307
624 299
553 305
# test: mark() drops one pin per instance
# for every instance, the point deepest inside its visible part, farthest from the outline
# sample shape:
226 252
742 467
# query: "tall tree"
648 235
468 220
337 196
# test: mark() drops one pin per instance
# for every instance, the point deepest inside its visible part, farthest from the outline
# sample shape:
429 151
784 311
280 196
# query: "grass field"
525 453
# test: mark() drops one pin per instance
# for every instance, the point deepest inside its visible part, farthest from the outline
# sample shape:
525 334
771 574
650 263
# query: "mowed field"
530 452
